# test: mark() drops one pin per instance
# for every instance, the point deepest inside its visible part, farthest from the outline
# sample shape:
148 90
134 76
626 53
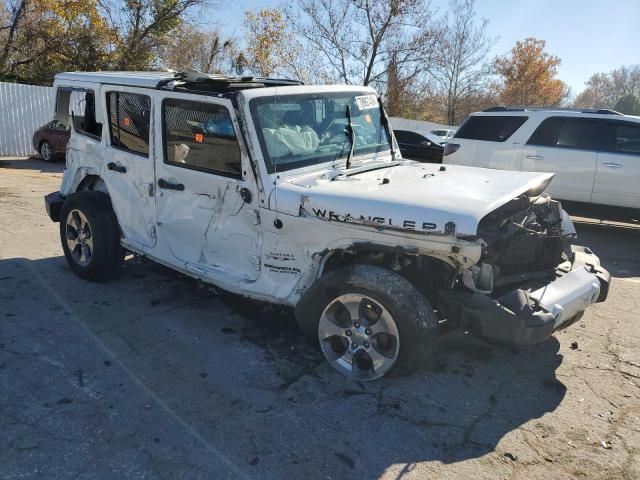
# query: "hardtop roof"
192 81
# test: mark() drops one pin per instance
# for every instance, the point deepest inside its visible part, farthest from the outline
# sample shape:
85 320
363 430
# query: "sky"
589 36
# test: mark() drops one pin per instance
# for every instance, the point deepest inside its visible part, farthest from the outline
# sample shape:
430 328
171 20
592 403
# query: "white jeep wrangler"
297 195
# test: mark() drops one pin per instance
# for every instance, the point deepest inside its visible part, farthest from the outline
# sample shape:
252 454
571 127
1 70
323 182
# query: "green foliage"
39 38
629 105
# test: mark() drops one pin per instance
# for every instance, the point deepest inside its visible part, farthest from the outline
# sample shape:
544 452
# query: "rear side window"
200 136
129 117
82 109
403 136
622 137
567 132
490 128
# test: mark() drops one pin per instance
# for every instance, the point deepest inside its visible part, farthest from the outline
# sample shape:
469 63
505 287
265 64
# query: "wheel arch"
426 272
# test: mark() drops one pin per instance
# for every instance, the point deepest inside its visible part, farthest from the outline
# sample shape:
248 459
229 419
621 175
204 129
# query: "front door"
565 146
618 173
128 163
207 206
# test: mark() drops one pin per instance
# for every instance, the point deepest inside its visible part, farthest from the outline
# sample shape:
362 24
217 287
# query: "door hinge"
152 231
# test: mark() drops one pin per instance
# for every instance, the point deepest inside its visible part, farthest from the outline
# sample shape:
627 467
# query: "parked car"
444 133
594 154
297 195
50 140
422 147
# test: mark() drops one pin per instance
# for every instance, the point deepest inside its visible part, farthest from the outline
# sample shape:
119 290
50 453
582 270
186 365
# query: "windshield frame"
317 161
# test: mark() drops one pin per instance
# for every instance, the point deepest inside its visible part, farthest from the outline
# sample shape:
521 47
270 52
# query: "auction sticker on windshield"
366 102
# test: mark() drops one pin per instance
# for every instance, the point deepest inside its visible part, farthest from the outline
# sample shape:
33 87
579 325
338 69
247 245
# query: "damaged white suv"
297 195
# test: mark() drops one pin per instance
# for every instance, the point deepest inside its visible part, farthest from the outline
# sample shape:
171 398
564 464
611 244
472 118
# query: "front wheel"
90 236
46 152
368 321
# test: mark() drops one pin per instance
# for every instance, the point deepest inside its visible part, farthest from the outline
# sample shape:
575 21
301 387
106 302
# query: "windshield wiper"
385 121
352 137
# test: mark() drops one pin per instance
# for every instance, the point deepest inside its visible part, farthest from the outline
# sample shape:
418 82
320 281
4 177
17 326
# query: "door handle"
116 168
535 157
612 165
162 183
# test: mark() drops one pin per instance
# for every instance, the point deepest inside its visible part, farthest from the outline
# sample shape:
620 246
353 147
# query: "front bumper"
523 317
53 202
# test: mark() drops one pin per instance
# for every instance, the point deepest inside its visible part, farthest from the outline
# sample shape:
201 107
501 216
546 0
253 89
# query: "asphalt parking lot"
155 376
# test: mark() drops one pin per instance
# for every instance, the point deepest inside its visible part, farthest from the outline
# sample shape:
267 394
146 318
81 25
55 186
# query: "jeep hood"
410 196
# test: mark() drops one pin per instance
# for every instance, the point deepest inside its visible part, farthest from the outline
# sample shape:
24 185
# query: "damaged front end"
530 281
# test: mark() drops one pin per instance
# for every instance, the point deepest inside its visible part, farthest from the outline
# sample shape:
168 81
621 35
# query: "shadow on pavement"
239 374
33 163
616 245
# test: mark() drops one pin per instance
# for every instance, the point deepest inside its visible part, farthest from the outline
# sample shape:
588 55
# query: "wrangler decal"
368 220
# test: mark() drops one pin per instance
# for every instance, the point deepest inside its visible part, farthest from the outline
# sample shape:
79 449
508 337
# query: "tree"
143 27
12 14
462 72
626 80
268 41
205 51
598 94
603 90
46 36
629 105
357 39
528 75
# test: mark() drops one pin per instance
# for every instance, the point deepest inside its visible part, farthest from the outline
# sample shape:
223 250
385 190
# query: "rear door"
488 141
128 162
207 203
567 147
617 179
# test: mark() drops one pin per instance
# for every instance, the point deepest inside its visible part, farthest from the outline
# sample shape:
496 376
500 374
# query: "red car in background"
51 139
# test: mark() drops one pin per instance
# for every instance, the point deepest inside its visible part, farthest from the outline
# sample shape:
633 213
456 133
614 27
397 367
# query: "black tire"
416 321
107 255
47 156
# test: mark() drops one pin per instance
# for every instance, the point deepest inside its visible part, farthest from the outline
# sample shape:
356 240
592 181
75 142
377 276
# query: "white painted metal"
617 179
134 79
580 175
23 109
574 170
568 295
273 247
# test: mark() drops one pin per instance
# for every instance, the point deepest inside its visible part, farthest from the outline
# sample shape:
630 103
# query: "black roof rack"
196 81
601 111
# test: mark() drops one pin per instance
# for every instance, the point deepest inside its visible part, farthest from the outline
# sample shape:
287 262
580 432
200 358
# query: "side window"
566 132
82 109
200 136
129 117
490 128
403 136
623 137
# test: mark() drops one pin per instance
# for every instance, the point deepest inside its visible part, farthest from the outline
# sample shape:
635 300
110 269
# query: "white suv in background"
595 154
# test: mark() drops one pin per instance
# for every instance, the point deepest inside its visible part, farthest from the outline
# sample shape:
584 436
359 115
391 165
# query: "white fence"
23 108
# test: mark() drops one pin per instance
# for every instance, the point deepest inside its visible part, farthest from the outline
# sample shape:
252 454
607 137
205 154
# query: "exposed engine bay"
524 244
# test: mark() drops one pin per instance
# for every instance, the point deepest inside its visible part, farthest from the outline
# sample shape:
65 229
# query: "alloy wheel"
359 337
79 238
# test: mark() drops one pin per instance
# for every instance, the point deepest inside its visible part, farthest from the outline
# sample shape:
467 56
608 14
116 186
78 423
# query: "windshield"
308 129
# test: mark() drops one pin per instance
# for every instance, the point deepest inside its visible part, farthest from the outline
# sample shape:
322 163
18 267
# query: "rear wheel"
90 236
368 321
46 152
